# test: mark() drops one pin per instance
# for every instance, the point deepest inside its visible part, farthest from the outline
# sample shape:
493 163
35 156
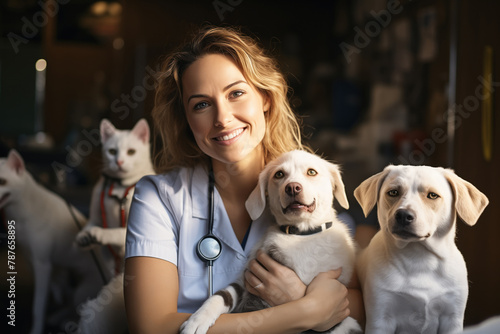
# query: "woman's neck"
237 180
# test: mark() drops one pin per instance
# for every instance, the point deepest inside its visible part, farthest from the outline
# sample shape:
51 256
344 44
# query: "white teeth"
231 135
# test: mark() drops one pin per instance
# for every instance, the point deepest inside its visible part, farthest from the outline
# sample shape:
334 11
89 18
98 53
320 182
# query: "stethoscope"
209 247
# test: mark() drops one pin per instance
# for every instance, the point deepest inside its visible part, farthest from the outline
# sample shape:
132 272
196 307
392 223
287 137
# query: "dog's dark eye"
279 174
393 193
3 181
432 195
311 172
112 151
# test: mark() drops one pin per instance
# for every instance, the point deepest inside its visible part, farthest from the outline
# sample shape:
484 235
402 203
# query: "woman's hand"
272 281
326 299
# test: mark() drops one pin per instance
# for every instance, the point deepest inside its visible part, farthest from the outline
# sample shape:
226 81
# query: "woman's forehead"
209 70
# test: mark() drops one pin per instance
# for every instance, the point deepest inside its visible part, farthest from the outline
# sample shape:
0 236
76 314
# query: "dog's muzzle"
404 218
404 221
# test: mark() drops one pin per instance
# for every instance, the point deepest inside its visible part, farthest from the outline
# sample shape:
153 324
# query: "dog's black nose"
293 188
404 217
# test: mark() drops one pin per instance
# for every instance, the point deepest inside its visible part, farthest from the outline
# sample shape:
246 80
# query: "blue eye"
237 93
200 105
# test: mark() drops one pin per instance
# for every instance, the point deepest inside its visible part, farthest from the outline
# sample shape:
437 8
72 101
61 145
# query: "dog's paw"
198 323
347 326
89 237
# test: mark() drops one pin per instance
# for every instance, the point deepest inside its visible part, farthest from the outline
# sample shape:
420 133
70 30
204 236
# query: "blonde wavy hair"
179 148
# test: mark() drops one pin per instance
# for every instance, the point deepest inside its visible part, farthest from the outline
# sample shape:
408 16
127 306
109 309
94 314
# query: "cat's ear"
15 162
107 130
141 130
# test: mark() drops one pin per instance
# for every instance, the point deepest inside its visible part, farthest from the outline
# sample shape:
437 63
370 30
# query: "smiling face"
415 203
224 110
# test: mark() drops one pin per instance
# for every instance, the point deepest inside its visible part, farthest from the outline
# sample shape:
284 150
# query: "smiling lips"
230 136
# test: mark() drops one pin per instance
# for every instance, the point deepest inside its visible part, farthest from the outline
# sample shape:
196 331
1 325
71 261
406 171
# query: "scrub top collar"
222 226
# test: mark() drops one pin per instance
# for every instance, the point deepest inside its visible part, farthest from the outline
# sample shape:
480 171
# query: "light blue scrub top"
168 217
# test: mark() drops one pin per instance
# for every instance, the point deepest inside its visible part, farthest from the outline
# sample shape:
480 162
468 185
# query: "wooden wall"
479 26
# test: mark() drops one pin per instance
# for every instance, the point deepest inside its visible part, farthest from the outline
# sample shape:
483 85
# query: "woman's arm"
278 284
151 289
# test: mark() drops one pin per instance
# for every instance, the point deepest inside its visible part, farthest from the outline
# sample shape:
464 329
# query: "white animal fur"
45 230
106 313
129 173
306 255
413 277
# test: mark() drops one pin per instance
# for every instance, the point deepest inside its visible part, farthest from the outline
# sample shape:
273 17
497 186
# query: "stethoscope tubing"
209 247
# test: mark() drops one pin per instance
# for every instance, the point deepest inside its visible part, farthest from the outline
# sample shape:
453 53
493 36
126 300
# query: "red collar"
120 200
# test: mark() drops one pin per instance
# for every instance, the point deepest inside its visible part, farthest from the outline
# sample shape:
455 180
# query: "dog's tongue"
297 205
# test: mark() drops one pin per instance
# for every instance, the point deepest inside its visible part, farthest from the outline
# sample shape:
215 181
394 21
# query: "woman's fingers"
272 281
328 298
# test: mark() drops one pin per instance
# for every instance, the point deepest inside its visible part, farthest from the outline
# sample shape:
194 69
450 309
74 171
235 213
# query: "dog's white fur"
306 255
413 277
45 230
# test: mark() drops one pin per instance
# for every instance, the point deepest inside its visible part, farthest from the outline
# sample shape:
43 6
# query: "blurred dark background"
376 81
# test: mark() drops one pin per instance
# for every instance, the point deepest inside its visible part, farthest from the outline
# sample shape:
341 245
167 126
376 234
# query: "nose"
293 188
405 217
119 162
223 115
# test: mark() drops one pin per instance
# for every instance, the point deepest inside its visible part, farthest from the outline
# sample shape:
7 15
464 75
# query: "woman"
221 104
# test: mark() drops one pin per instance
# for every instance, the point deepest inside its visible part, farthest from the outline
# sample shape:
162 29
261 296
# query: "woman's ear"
267 101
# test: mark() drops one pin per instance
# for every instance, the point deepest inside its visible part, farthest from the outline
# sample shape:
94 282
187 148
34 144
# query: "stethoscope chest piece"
209 248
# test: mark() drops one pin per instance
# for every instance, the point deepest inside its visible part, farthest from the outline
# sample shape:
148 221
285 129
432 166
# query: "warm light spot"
41 65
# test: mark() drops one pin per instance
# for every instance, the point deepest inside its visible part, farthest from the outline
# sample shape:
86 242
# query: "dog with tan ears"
299 189
413 277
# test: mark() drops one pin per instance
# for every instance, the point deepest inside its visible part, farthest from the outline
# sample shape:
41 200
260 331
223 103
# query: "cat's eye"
3 181
279 174
393 193
131 151
432 195
113 151
312 172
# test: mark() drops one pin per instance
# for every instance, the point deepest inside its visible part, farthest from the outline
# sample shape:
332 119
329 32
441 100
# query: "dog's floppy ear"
469 201
367 192
338 186
256 202
15 162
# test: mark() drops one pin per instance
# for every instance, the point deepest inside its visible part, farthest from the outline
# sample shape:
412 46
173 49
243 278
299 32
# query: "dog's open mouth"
404 234
3 199
296 206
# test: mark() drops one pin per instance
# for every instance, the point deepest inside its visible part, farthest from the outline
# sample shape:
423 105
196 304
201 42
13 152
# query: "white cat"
126 157
43 226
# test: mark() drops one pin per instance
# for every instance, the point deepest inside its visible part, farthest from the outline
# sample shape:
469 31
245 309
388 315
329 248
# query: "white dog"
413 277
299 188
45 229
